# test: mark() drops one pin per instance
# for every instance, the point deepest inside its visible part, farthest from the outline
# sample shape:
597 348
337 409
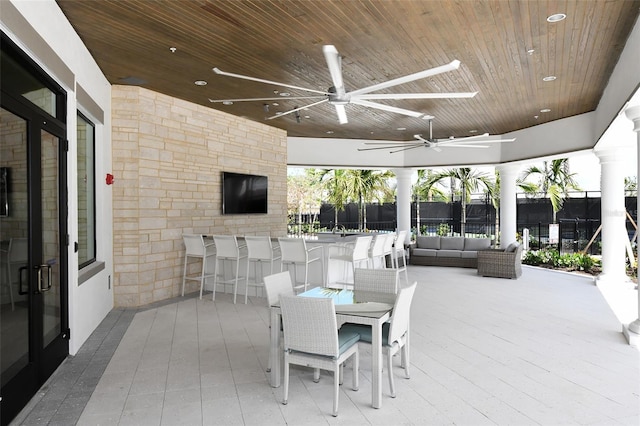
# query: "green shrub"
551 257
443 229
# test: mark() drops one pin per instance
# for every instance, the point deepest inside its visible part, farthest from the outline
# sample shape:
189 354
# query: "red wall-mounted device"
109 179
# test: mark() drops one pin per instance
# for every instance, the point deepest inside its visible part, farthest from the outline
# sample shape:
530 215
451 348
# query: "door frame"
43 361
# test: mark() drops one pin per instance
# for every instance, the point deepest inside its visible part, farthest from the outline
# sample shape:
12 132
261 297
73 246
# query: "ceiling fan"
338 96
477 141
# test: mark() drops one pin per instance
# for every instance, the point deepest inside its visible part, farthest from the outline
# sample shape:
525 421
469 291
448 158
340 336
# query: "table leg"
275 347
376 365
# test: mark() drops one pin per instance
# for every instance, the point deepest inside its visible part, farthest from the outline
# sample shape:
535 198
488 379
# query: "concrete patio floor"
545 349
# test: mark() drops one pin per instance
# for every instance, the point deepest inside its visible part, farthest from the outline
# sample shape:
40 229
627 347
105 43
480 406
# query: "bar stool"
399 252
294 252
353 255
196 247
388 250
376 251
259 251
227 248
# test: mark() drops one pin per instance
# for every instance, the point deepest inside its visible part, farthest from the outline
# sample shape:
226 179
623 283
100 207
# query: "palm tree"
554 181
367 185
336 187
362 186
470 180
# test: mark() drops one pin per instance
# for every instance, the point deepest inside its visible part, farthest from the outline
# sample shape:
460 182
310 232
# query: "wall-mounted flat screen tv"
243 193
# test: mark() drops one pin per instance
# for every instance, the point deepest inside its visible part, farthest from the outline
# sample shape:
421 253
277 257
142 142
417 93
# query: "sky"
585 166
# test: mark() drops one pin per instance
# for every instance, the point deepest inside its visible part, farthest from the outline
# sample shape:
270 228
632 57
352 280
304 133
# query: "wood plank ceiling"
506 48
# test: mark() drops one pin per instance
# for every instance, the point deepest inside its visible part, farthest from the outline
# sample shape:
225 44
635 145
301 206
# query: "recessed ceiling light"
556 17
545 110
549 78
531 51
285 94
200 83
329 132
401 128
227 103
173 49
536 117
473 131
275 104
307 116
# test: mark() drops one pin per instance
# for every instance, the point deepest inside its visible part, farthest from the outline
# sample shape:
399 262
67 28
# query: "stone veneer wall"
168 156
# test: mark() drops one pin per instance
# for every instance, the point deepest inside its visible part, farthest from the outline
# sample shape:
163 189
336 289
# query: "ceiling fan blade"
388 108
297 109
342 114
474 139
465 146
420 138
334 63
415 95
387 145
265 99
406 149
260 80
453 65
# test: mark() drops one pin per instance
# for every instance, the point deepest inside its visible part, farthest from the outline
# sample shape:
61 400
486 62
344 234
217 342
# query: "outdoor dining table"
373 314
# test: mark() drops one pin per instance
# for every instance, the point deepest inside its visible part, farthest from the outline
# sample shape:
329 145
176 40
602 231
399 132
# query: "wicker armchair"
501 263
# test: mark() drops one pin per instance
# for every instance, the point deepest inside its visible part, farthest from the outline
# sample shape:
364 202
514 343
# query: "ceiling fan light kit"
338 96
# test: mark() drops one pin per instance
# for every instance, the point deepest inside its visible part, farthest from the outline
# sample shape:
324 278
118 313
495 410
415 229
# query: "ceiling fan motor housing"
337 98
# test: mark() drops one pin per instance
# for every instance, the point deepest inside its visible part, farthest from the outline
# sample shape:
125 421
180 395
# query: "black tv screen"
243 193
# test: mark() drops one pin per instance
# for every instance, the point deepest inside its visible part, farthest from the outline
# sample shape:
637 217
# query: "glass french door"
33 283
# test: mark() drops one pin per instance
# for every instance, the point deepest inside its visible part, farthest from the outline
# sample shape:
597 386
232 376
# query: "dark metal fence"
579 220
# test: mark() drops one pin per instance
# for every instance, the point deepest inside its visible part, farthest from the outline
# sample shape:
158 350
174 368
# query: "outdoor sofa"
447 251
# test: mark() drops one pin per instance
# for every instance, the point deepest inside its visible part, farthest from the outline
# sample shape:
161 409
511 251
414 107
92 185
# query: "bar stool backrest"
259 248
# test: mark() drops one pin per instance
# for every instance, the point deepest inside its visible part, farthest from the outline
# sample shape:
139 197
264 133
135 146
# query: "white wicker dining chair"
275 286
375 285
311 338
395 333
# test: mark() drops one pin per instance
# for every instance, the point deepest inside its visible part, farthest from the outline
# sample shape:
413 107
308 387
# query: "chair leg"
202 274
235 282
215 280
392 386
316 375
246 282
405 359
356 370
336 390
184 275
285 384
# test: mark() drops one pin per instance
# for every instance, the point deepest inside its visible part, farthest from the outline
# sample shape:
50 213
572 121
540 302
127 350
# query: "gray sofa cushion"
428 243
511 247
468 254
476 244
424 252
449 253
452 243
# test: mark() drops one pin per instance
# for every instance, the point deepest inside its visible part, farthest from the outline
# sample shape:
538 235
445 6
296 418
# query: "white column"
508 211
632 332
403 204
613 211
